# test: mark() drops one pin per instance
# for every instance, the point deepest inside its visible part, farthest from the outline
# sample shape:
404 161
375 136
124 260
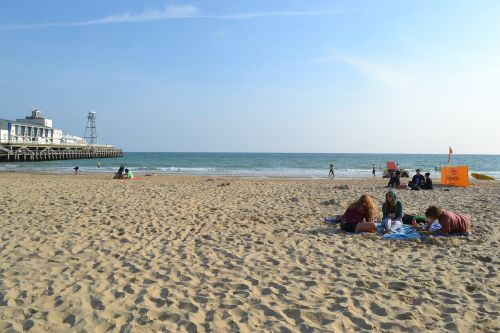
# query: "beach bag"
408 218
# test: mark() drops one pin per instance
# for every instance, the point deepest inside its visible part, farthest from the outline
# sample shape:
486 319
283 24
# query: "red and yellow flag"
449 154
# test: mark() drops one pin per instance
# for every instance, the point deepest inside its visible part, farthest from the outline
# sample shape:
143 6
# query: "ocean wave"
259 164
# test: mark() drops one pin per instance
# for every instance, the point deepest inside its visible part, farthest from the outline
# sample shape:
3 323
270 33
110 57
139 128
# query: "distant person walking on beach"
373 170
331 173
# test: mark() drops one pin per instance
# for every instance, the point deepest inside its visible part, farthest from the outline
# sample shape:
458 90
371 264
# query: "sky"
259 76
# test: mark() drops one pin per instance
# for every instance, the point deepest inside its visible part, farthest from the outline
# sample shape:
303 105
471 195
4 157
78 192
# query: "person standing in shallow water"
373 170
331 173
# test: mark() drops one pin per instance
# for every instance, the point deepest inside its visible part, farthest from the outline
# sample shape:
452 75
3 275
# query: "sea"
263 165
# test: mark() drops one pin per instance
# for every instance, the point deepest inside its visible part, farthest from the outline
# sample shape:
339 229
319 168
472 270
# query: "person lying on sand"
450 222
359 216
392 212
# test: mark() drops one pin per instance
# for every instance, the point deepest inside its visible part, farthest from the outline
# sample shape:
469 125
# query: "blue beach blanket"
405 232
331 220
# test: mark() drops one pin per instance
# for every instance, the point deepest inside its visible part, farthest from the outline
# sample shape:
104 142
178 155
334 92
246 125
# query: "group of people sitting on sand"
360 217
418 182
123 173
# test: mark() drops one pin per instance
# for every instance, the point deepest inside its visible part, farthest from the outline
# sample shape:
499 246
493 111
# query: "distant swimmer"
331 173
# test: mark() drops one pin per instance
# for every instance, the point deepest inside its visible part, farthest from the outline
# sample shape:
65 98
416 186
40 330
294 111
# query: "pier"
10 152
35 139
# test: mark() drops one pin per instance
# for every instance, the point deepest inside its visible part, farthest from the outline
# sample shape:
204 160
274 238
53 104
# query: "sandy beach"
87 253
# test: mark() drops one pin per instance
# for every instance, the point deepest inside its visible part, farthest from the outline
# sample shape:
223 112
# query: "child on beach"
359 216
392 212
128 174
450 222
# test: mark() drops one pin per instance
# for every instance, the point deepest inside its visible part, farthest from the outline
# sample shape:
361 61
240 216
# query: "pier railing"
16 151
37 143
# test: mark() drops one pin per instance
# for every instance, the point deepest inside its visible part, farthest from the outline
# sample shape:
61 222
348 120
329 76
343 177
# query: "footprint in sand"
28 324
188 306
96 304
294 314
159 302
378 310
172 317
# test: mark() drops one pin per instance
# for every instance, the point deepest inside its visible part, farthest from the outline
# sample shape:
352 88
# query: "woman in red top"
450 222
360 215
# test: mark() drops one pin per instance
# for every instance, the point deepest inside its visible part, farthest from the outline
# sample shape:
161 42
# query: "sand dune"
199 254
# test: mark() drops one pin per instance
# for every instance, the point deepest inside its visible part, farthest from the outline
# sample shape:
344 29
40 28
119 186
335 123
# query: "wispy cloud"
385 74
220 33
168 13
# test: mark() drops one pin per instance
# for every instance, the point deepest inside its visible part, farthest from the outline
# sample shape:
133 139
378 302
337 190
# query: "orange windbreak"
455 175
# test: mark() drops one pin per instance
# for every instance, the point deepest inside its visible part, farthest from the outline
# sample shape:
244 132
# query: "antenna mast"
91 138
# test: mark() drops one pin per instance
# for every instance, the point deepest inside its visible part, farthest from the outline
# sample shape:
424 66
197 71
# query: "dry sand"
197 254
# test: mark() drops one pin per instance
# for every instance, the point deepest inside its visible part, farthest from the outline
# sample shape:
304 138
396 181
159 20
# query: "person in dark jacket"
428 182
331 173
417 181
395 179
119 174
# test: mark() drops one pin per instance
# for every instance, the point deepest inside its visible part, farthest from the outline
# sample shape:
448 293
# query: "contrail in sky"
169 13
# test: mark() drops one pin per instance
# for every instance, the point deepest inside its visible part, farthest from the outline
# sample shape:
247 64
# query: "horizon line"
275 152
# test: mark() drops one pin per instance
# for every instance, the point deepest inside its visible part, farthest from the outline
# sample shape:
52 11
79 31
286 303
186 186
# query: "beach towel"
405 232
435 226
331 220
